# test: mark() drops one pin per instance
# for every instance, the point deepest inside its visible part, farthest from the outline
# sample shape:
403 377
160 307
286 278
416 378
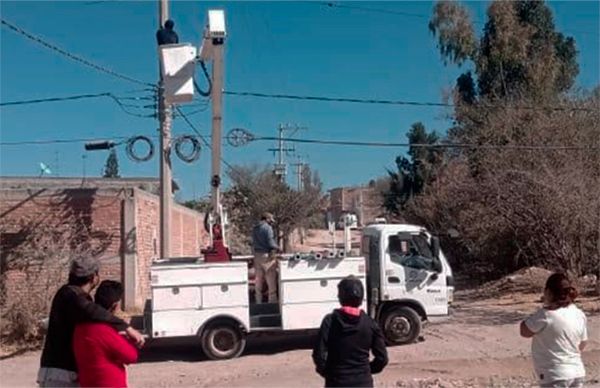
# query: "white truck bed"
186 296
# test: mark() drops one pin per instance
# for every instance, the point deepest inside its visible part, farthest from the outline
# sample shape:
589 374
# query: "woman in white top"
559 335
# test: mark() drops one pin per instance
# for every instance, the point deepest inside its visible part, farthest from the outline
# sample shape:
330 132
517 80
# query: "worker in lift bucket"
346 338
265 262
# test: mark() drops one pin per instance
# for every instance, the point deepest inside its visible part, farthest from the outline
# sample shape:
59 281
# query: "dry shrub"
517 208
40 260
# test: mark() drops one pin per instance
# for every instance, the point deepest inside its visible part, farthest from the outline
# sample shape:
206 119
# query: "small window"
411 253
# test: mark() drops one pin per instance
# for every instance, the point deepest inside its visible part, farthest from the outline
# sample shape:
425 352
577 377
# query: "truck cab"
409 279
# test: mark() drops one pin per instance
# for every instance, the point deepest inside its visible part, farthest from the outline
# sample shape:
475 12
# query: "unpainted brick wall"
99 211
188 237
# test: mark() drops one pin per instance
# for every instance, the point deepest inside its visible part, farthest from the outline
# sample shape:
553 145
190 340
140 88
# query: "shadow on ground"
188 349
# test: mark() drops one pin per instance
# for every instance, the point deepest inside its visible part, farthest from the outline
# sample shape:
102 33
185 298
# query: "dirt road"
478 346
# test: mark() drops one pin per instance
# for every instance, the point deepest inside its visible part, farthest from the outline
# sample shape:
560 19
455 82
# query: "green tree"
414 174
256 190
520 53
111 167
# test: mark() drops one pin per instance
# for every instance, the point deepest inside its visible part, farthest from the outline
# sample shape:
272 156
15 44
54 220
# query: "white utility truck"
406 276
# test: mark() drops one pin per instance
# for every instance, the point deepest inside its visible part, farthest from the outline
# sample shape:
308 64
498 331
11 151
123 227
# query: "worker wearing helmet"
265 265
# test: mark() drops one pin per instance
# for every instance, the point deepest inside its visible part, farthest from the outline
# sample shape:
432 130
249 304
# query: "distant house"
114 219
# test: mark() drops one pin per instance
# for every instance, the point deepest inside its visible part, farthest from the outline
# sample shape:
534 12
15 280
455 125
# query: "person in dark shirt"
345 340
167 35
265 263
72 304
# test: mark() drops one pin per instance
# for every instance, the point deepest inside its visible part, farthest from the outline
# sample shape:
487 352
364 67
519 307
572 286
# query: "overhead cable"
393 102
73 57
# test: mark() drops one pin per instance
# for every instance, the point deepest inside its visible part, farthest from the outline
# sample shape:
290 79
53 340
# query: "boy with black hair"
347 335
72 304
100 352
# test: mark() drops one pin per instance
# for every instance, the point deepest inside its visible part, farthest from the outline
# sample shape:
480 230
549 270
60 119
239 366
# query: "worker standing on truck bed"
265 264
345 340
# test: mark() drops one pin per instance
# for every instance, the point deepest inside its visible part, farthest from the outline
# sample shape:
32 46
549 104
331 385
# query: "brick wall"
188 237
57 219
102 214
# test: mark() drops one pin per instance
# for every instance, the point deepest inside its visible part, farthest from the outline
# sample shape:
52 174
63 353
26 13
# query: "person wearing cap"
265 264
100 352
72 304
345 340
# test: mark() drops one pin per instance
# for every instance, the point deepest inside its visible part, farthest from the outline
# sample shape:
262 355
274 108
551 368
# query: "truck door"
411 272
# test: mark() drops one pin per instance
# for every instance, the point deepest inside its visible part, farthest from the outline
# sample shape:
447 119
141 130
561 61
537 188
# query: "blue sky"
273 47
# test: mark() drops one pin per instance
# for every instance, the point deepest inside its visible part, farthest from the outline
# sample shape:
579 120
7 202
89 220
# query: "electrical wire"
124 107
376 10
425 145
71 56
54 99
206 142
415 15
59 141
392 102
208 80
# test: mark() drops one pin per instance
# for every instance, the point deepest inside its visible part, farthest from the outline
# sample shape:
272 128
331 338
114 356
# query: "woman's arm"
525 332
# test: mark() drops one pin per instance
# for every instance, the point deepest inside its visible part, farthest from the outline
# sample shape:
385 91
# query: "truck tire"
400 325
223 340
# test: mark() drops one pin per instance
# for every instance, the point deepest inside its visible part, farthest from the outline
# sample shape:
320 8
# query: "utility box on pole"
177 64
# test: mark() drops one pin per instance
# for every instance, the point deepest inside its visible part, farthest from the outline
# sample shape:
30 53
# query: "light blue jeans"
54 377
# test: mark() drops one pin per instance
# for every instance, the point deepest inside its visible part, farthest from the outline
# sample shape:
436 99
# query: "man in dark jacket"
265 263
72 304
167 35
346 338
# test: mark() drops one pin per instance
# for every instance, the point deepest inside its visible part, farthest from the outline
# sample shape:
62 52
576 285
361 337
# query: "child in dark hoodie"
341 354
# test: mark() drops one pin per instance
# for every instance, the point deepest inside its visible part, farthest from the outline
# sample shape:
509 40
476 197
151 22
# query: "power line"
71 56
393 102
206 142
375 10
54 99
69 98
124 107
335 99
417 15
426 145
59 141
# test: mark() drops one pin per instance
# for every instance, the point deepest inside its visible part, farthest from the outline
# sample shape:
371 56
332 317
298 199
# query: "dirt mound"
525 281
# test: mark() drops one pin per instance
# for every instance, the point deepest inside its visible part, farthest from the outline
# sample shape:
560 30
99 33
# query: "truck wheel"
401 325
223 340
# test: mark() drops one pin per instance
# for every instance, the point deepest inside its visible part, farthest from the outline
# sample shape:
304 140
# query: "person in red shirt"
100 351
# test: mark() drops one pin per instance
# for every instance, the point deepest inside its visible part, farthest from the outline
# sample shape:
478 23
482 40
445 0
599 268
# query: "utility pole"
299 174
216 96
281 166
164 116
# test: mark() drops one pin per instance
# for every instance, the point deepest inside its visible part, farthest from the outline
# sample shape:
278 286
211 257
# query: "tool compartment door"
308 289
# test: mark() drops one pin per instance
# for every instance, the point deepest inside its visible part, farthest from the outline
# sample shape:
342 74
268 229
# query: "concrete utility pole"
216 97
299 171
164 116
281 166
